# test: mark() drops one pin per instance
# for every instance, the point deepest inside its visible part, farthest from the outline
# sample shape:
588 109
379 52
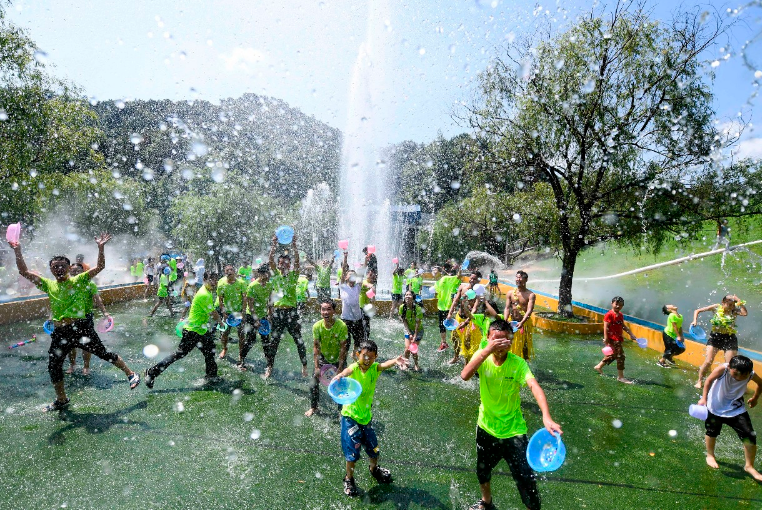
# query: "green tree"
225 224
602 113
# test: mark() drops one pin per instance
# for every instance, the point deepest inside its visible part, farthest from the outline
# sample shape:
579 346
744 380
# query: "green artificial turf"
245 443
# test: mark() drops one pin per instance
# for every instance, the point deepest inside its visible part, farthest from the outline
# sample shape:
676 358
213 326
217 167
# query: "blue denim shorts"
354 435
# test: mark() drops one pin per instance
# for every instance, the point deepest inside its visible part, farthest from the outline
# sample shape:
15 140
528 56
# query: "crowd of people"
267 302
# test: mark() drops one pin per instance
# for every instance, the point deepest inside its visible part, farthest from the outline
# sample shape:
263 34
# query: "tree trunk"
565 286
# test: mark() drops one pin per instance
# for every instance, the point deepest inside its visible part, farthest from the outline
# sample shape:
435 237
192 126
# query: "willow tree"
612 114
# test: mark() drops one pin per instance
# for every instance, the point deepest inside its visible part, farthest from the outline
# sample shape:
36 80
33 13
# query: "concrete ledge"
574 328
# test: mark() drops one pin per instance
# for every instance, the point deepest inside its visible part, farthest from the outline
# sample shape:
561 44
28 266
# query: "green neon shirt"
139 267
445 288
411 316
163 284
261 296
500 409
323 280
416 284
330 339
232 294
364 299
360 410
396 283
302 289
200 311
674 322
285 286
483 322
70 298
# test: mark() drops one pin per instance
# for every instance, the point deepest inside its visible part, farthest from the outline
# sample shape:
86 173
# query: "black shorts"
741 424
149 277
723 341
490 450
442 315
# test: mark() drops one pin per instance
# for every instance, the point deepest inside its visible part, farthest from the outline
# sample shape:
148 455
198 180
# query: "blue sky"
304 52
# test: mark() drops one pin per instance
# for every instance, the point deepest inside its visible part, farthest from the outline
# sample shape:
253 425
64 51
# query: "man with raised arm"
70 300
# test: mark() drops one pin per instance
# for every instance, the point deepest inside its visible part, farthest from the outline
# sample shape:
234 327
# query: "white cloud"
243 59
749 148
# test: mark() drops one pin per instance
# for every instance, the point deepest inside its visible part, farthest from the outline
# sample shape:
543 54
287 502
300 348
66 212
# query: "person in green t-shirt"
323 278
398 281
258 308
285 314
501 429
674 343
139 267
75 270
330 346
162 294
197 332
367 303
70 299
411 315
410 273
231 292
302 291
356 427
445 289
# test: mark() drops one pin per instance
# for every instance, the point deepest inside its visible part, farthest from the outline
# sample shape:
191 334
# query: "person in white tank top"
723 396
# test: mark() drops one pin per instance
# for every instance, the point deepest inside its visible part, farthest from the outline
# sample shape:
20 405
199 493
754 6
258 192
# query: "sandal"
57 405
382 475
350 489
481 505
134 380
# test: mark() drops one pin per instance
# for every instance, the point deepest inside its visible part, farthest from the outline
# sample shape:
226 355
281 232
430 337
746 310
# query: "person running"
356 428
259 308
500 428
723 335
330 347
445 289
613 326
162 294
351 312
397 282
285 315
411 315
69 300
674 343
519 306
231 292
723 235
723 397
96 300
197 332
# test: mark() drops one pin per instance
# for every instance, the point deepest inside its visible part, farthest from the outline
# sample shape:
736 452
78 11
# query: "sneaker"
57 405
663 365
443 347
149 380
134 380
670 362
481 505
382 475
350 489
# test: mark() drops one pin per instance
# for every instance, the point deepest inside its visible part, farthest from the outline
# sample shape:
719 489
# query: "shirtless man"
519 305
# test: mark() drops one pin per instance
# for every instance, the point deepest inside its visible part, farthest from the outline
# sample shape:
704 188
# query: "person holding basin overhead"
723 335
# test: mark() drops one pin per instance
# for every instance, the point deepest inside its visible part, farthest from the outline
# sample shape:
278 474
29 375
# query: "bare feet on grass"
598 369
625 380
310 412
712 462
753 472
